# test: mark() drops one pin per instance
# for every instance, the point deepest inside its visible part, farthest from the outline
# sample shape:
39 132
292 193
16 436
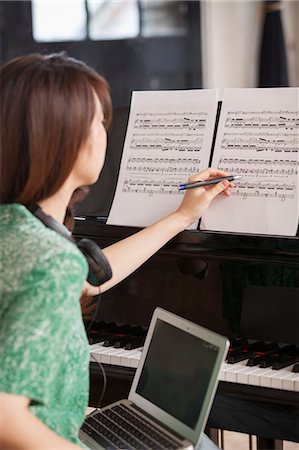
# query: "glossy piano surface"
237 285
199 275
222 246
219 281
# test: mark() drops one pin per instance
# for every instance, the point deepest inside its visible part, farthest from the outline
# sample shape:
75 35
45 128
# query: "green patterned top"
43 345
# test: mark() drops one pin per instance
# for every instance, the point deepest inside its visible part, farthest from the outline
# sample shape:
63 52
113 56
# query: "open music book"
170 135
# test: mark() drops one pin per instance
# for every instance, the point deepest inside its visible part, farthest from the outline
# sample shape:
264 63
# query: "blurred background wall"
162 44
232 33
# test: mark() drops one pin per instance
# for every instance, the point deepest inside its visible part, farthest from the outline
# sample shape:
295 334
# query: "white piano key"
277 379
296 382
126 359
115 358
106 357
231 371
100 349
135 360
221 376
291 382
243 374
265 380
255 377
282 379
94 346
99 352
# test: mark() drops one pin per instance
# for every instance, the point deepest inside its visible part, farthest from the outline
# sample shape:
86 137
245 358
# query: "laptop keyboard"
121 428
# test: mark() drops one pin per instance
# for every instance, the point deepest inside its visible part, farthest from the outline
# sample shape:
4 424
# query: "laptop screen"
177 372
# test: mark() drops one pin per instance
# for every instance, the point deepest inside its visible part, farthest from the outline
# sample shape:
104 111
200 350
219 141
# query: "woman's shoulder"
26 242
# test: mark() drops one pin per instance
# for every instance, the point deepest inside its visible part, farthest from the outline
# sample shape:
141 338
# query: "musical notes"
249 147
188 143
171 121
150 187
161 166
167 137
258 138
261 143
283 120
170 135
257 167
281 191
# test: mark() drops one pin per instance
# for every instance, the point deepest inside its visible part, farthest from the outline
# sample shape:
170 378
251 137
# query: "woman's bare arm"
128 254
21 430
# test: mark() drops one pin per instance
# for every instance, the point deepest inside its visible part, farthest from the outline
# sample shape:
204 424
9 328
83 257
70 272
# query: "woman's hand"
197 200
88 301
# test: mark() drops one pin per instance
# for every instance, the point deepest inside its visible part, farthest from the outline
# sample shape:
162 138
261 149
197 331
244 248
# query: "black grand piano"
243 286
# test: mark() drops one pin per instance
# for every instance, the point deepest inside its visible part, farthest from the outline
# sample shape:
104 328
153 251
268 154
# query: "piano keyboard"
112 350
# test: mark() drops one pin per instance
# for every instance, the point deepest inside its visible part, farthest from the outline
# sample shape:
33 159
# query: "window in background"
72 20
163 18
113 19
58 20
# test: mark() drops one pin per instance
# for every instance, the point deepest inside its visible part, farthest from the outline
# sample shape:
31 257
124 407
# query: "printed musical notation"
161 166
285 120
281 191
188 143
171 121
262 177
261 143
258 138
156 133
257 167
247 137
170 136
150 187
167 138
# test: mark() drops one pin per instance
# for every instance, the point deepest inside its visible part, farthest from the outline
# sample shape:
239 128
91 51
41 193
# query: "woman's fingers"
208 174
89 290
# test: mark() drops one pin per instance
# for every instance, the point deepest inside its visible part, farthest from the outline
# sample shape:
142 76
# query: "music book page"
168 138
258 138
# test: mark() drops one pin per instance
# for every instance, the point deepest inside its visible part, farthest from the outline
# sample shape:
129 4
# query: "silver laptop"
171 394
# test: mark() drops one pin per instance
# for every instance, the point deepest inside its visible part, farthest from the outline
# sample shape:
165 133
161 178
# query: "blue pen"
196 184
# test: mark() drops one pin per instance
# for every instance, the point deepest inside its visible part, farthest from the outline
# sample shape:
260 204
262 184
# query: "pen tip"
237 177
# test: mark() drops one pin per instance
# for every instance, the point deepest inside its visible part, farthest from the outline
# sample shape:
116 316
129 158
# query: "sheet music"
258 138
168 138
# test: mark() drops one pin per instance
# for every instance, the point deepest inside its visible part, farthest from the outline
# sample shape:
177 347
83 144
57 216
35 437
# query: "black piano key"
245 352
96 338
100 331
285 361
122 341
110 341
121 331
102 326
270 359
237 343
138 331
295 368
124 335
258 356
138 342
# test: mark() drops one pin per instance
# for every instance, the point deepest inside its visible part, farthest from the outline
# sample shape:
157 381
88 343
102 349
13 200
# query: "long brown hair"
47 106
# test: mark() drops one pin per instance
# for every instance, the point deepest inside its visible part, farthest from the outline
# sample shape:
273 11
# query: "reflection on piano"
242 286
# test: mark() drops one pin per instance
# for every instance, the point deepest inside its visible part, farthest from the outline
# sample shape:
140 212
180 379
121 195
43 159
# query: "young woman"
55 112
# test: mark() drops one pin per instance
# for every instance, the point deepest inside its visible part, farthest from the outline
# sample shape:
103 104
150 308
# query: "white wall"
290 17
231 34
